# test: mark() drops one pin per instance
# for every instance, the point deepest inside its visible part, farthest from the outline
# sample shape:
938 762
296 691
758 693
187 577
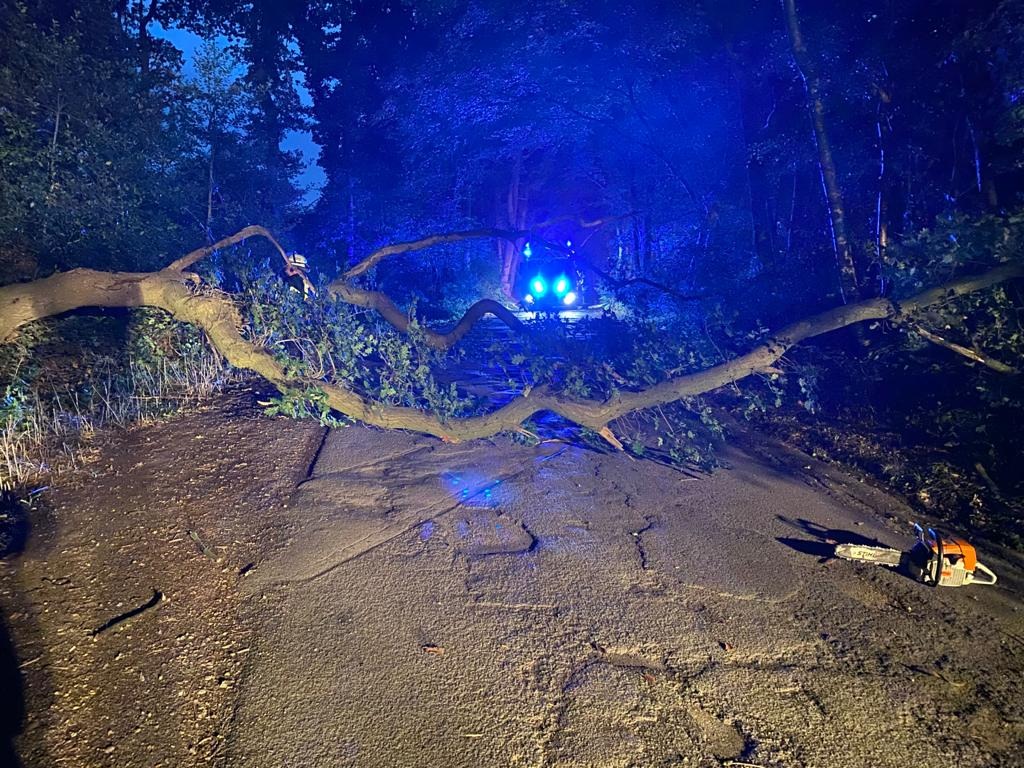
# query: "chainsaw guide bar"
874 555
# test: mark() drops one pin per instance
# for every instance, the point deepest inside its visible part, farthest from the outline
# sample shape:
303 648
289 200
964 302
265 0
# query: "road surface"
498 605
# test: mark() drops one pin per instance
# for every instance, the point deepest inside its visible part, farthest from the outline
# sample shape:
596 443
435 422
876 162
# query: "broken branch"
970 354
426 242
383 304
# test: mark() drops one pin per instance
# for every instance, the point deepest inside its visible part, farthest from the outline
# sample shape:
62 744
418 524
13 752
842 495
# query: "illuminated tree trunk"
510 251
848 281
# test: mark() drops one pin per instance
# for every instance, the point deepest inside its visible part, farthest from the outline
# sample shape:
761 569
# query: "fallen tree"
182 295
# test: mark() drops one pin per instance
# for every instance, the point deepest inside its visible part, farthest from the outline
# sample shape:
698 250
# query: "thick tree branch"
383 304
218 317
959 287
374 299
199 254
426 242
470 234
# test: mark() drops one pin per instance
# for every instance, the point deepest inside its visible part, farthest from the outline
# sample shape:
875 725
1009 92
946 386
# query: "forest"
647 230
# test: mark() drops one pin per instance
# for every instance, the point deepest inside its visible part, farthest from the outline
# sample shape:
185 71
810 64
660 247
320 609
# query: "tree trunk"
848 282
510 252
751 108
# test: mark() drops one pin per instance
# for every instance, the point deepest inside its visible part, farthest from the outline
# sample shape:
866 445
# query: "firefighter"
295 270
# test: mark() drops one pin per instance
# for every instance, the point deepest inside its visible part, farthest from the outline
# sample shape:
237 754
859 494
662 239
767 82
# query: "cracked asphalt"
491 604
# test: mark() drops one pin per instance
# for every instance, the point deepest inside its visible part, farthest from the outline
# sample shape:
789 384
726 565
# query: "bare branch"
199 254
426 242
383 304
472 234
970 354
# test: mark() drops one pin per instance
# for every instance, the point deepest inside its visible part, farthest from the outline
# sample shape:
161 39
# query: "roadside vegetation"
65 380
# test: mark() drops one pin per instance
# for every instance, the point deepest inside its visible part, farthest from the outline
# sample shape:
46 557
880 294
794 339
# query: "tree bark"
509 251
848 281
172 290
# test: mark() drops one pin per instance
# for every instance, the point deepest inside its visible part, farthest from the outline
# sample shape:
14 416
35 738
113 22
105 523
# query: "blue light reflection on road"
473 488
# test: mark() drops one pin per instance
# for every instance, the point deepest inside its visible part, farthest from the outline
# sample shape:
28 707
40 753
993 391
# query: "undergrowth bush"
929 423
63 379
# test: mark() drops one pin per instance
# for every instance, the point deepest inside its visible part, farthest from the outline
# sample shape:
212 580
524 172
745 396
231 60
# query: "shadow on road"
14 529
12 701
825 539
816 548
14 524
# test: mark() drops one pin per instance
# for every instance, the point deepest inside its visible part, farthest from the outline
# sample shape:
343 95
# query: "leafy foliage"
86 158
318 338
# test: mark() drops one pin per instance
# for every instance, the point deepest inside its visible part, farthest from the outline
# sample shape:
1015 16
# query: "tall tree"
849 284
88 154
219 109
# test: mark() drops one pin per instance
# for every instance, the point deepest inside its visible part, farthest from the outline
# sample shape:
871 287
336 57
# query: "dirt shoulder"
124 534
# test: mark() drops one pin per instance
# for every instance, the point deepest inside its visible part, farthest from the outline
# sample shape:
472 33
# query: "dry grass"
43 432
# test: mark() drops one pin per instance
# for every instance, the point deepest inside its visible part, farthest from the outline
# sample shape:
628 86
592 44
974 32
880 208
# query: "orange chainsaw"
941 561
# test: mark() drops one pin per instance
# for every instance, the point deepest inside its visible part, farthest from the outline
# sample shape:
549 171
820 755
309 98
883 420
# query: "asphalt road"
497 605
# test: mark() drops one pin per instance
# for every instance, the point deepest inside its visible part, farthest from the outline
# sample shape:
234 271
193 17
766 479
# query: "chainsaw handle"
938 561
989 579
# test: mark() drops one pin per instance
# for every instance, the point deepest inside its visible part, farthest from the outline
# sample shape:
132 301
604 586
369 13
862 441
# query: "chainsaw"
941 561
